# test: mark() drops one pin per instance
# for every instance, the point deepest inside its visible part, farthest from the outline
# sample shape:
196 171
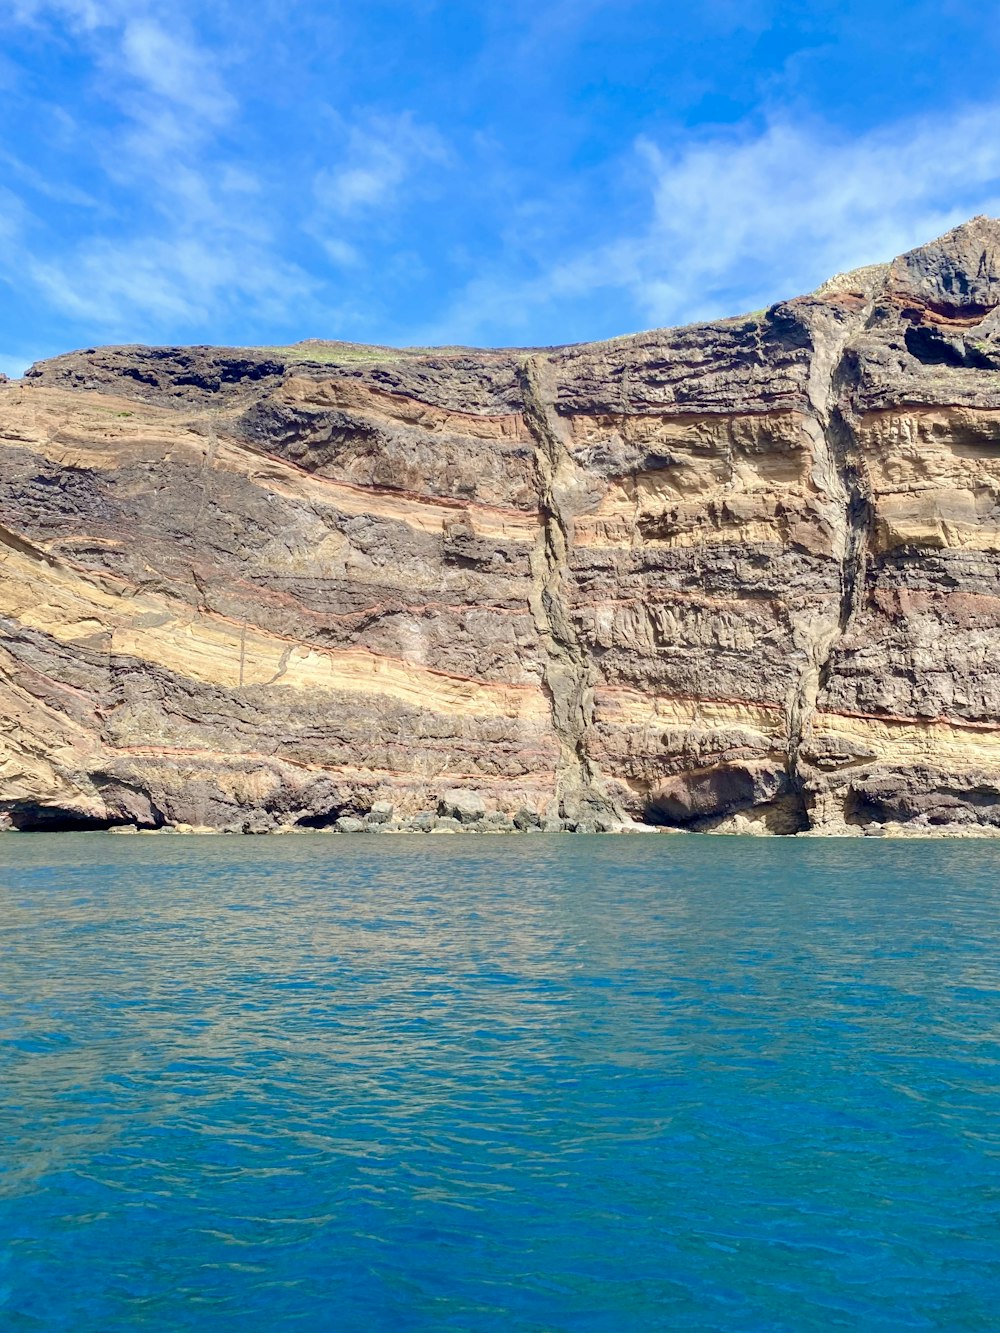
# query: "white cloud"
85 14
194 240
181 226
341 253
757 218
190 232
384 162
61 191
379 158
737 219
175 70
187 281
14 217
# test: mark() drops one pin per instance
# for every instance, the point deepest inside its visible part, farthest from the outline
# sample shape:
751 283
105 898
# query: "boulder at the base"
447 824
468 807
498 821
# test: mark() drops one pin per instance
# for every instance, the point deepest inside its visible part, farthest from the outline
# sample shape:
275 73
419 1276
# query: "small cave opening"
863 810
702 800
31 818
327 819
931 347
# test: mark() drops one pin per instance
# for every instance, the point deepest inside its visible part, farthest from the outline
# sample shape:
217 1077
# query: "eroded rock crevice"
839 476
569 672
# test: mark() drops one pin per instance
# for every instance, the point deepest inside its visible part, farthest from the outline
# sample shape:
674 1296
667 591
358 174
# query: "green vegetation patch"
344 353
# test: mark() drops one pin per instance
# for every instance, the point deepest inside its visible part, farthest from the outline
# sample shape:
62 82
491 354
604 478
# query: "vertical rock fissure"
858 491
569 674
838 475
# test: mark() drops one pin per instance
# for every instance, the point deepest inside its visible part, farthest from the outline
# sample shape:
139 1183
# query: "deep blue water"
498 1084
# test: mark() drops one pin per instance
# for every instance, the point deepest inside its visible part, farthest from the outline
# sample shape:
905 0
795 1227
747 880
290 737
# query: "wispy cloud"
83 14
738 219
382 166
191 237
175 70
187 281
60 191
776 213
192 229
166 189
380 156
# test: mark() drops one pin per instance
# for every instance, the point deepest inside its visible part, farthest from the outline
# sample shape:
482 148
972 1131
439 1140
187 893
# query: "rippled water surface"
498 1083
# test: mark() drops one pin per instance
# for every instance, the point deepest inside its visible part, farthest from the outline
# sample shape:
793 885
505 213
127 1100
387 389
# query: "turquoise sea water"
534 1083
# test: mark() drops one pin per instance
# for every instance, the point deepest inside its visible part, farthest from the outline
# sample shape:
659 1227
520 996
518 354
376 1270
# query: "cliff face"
742 575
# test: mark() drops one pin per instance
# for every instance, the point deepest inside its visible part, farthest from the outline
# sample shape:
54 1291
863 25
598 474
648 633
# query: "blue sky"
469 171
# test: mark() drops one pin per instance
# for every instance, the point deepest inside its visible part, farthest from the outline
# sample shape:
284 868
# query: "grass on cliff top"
343 353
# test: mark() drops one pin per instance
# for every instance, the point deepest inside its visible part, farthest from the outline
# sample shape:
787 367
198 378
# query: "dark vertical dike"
859 514
570 675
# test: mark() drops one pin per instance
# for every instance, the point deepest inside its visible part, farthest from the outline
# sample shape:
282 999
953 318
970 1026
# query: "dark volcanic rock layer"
742 575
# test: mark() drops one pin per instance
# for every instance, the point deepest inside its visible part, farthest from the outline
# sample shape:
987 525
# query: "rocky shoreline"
463 812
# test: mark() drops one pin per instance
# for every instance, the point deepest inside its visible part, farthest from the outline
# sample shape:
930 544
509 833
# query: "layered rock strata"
738 576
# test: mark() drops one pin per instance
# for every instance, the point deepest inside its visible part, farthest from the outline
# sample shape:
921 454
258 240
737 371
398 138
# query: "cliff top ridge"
953 280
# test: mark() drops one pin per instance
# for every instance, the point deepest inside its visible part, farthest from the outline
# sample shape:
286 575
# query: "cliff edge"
740 576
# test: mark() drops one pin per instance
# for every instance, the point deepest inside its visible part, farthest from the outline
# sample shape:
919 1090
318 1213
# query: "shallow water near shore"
538 1083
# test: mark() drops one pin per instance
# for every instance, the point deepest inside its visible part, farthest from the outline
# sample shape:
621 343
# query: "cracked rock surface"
742 576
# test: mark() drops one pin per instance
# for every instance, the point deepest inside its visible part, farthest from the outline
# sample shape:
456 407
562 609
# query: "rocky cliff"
742 575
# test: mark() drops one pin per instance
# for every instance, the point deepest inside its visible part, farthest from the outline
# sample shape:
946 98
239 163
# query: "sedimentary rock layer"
741 575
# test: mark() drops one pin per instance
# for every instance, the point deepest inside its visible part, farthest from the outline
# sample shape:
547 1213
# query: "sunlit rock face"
739 576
